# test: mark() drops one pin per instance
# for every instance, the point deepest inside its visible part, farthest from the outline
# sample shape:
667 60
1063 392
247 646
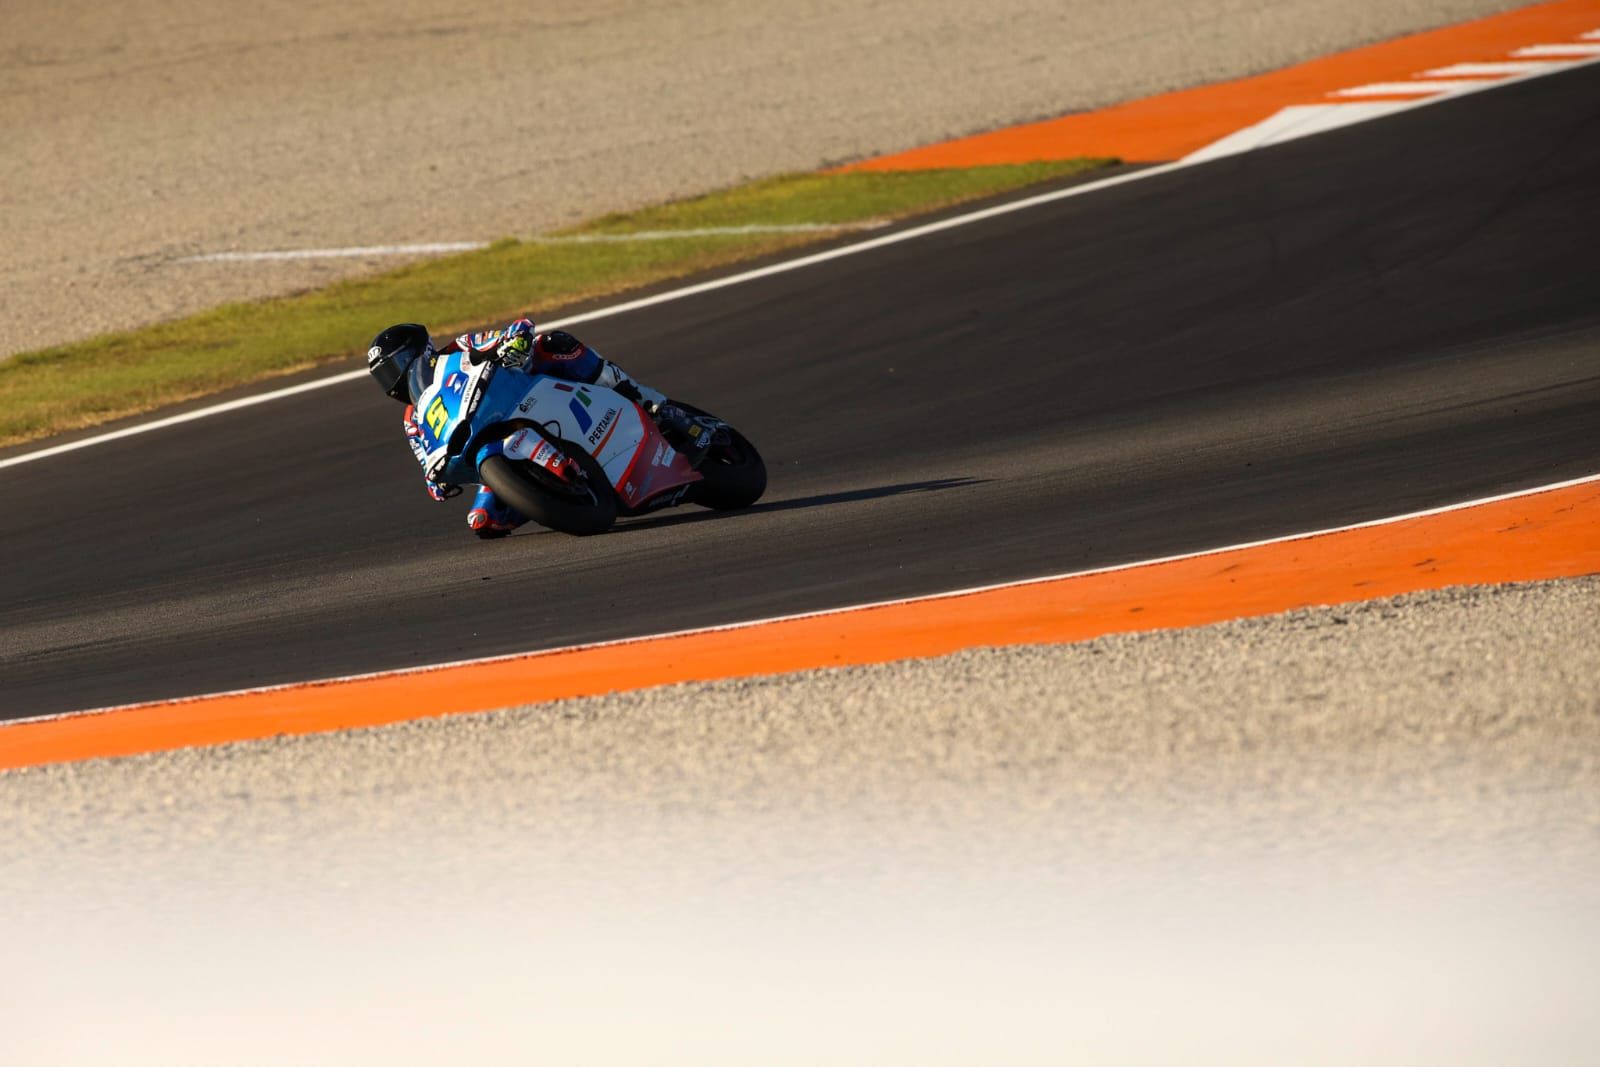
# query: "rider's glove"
442 490
513 351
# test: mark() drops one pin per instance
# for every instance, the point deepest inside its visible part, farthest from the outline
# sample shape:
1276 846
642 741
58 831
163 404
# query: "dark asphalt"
1388 317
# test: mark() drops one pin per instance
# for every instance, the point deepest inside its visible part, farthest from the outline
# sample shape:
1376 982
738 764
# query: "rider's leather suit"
556 353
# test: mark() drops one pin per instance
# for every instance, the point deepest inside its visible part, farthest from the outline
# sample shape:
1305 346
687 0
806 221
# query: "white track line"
627 306
799 263
1390 520
711 231
1415 88
1502 68
1296 121
178 420
354 252
364 251
1574 51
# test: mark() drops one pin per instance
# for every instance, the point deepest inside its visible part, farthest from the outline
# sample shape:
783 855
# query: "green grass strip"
116 375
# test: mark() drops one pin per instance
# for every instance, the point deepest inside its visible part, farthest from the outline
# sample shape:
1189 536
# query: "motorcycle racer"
401 359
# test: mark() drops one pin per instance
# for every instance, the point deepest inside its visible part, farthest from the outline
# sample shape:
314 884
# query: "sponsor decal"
563 388
600 427
456 382
516 442
545 455
578 412
373 353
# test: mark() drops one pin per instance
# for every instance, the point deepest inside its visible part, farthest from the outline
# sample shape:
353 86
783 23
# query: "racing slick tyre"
528 490
733 474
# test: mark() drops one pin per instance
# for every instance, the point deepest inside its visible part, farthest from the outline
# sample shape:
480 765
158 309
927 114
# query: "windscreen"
419 376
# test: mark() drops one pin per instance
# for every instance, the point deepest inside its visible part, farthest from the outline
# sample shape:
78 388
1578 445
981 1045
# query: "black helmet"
401 361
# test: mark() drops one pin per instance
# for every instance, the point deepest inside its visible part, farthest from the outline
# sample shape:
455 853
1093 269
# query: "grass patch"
88 382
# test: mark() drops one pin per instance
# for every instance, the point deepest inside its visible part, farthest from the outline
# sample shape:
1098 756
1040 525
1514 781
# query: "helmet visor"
388 372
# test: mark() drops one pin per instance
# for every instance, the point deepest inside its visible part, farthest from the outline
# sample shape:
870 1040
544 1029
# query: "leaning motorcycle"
569 456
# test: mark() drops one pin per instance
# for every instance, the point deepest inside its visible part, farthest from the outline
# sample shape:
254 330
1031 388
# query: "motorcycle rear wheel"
732 475
531 493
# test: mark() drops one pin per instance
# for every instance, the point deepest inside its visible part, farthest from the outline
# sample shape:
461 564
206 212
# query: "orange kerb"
1546 535
1170 126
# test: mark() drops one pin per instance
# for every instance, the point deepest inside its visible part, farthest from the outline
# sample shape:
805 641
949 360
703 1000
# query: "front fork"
531 446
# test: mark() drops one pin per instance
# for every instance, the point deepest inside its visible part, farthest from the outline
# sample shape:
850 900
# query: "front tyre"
591 509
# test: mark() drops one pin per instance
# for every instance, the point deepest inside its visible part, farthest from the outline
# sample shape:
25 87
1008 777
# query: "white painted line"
876 242
1559 50
1414 88
631 305
1293 122
367 251
1503 68
712 231
188 416
1592 35
338 253
1390 520
694 290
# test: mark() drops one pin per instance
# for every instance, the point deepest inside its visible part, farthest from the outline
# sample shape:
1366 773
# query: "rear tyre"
732 475
547 500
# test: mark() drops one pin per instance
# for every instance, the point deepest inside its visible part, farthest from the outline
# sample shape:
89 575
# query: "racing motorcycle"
569 456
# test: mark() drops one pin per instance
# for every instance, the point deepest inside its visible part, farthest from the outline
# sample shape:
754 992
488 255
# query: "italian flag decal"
579 408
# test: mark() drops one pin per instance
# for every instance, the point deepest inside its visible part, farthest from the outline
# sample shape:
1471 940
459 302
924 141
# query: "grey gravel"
137 135
1471 712
1368 833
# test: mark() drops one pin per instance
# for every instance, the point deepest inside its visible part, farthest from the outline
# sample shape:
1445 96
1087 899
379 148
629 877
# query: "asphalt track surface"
1388 317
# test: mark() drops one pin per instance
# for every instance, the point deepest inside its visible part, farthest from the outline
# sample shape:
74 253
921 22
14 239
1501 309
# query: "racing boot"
689 434
489 518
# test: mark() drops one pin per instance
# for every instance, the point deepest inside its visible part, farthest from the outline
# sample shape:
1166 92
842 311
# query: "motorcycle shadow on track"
822 500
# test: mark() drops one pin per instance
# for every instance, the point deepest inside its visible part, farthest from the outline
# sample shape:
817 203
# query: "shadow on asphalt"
674 518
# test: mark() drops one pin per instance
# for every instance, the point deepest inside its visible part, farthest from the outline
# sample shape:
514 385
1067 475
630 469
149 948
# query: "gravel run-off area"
140 134
1357 834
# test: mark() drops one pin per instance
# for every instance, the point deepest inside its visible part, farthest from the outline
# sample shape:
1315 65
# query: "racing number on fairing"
438 418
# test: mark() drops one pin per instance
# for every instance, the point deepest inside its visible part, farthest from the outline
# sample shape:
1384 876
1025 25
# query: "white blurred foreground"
1217 971
1346 836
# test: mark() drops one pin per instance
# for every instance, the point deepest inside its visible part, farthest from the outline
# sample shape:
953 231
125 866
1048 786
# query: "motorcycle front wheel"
528 490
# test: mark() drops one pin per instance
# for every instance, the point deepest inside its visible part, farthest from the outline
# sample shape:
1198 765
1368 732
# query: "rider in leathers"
555 353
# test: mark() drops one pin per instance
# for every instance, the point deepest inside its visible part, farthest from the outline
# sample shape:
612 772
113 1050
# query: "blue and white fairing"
470 411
